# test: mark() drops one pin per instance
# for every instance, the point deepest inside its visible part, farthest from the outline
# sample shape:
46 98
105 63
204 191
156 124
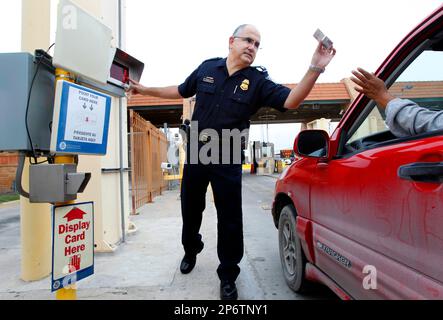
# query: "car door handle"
431 172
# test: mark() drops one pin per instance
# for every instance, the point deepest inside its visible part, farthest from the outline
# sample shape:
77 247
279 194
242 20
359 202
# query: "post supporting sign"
80 121
72 244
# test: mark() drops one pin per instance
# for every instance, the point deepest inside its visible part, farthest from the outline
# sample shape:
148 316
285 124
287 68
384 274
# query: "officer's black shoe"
187 264
188 261
228 290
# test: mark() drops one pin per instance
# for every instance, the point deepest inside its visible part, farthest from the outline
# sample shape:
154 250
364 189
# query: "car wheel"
292 258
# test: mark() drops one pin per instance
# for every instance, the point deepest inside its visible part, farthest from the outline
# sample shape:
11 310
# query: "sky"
172 37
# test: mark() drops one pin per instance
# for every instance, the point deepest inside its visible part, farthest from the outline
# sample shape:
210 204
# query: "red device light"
120 73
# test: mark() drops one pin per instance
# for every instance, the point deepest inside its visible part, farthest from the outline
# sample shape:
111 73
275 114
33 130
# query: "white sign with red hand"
73 244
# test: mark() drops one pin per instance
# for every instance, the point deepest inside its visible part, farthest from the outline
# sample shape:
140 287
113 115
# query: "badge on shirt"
208 79
245 85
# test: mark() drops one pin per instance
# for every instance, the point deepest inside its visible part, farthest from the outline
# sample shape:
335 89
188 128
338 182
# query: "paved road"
147 265
9 232
261 241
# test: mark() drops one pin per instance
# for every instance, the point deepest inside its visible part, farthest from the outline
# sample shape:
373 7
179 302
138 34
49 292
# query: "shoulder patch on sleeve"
213 59
262 70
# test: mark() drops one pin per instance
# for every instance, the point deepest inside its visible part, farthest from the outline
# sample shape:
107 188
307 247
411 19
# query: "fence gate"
148 148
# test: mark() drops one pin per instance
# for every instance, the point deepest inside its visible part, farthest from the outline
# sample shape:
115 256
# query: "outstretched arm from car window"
371 86
405 118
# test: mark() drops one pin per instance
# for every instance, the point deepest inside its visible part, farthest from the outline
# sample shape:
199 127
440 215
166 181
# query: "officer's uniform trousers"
226 184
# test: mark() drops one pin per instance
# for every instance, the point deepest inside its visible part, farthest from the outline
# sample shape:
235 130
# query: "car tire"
292 258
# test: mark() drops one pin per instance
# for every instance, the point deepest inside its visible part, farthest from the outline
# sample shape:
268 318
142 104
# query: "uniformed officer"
228 92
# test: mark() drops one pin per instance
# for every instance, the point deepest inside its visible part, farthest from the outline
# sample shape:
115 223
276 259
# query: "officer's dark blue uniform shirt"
228 102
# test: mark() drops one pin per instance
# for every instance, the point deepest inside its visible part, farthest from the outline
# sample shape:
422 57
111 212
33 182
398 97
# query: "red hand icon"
74 264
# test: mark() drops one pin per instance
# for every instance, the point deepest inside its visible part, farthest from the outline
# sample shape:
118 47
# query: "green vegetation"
8 197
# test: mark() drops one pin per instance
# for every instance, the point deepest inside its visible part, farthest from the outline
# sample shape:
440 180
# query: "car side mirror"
312 143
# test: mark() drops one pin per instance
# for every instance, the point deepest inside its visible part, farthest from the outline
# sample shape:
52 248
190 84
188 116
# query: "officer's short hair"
239 29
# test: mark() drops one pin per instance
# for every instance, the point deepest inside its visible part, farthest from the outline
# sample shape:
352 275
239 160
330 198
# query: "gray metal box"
16 73
53 183
48 183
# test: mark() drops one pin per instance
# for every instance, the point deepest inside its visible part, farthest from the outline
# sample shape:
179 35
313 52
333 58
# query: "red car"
362 210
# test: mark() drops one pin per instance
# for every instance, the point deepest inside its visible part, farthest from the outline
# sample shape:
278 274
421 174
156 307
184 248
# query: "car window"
372 124
421 81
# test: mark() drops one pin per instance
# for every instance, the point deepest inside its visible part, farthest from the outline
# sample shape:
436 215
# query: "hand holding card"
325 41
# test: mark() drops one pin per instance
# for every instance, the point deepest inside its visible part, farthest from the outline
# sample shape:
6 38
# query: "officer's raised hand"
320 60
170 92
322 56
134 88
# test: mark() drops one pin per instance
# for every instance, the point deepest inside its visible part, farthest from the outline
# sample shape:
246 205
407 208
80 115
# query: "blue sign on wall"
81 120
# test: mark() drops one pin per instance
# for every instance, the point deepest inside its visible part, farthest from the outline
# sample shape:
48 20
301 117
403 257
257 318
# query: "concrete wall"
35 219
35 25
349 85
